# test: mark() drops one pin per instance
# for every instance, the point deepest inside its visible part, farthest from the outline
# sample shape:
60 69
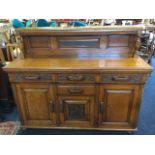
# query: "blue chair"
17 23
42 23
29 23
54 24
77 23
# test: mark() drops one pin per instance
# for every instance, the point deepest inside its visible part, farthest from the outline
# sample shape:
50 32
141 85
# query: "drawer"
121 78
30 77
72 78
76 90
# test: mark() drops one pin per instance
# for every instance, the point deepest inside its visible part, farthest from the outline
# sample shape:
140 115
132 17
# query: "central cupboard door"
76 111
118 106
76 105
37 104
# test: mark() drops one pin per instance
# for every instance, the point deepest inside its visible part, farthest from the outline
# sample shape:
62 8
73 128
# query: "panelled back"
88 45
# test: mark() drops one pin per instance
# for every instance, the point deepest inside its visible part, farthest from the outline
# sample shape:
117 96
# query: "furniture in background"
1 60
13 45
77 23
63 22
42 23
147 46
14 50
79 78
135 21
6 98
16 23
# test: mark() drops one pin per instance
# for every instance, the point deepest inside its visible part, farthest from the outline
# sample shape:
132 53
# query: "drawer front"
76 90
72 78
31 77
121 78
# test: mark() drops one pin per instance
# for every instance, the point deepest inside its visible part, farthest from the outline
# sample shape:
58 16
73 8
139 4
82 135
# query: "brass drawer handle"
35 77
75 78
75 90
120 78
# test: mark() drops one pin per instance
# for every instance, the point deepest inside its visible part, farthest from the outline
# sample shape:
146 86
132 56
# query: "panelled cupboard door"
76 111
119 106
36 102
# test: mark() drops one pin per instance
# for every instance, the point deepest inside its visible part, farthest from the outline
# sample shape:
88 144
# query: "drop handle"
120 78
34 77
51 106
75 78
75 90
102 107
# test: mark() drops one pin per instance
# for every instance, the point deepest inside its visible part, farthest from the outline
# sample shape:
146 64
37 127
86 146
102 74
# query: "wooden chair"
10 50
11 47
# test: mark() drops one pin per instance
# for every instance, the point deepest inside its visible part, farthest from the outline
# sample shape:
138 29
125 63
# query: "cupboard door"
118 106
37 103
76 111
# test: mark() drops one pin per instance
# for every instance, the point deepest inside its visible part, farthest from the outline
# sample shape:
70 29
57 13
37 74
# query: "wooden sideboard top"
49 49
88 29
103 41
76 64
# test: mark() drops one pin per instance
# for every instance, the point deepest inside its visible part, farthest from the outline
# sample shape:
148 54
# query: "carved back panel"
82 44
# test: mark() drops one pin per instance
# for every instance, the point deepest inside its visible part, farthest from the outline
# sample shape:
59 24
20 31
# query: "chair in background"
53 24
17 23
14 47
13 51
30 23
147 46
42 23
77 23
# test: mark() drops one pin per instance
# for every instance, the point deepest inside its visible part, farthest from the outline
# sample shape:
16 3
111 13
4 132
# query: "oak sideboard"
79 78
